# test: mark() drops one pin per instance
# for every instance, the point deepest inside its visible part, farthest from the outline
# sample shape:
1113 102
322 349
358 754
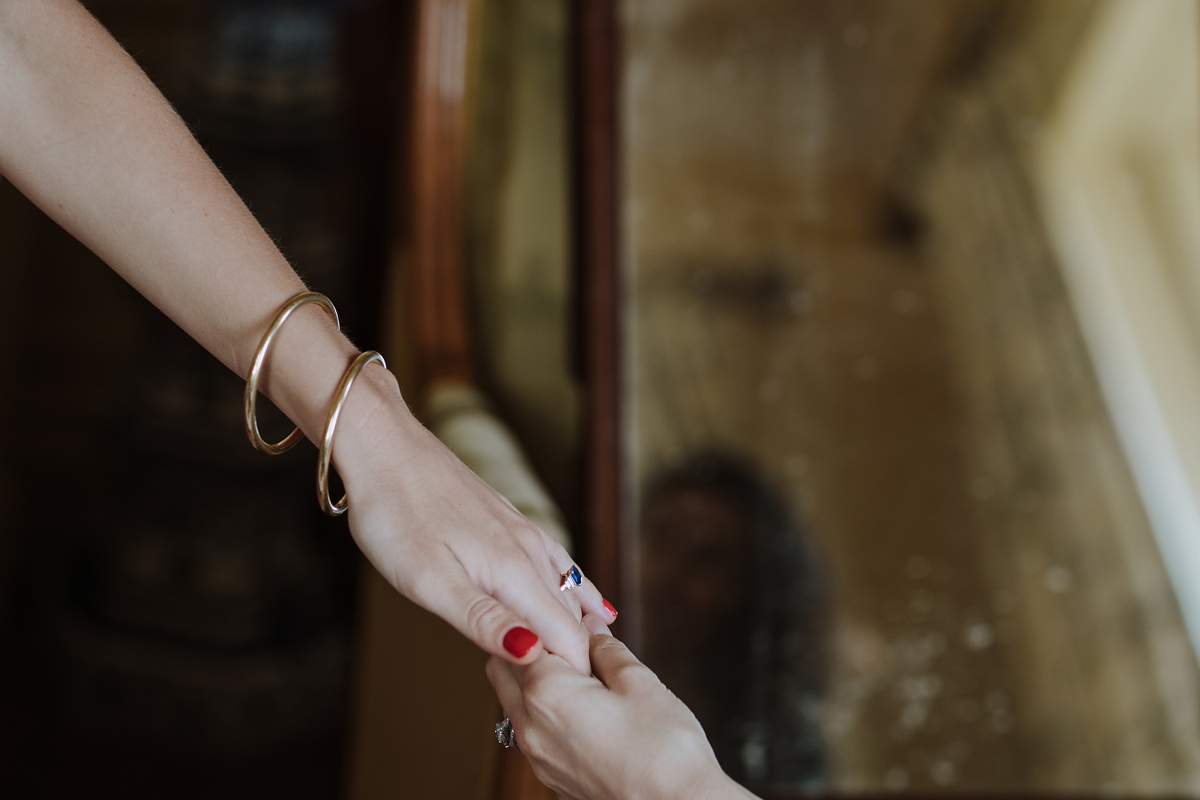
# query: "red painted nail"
520 641
610 608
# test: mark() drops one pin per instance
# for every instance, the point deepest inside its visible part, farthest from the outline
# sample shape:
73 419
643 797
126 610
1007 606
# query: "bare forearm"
88 138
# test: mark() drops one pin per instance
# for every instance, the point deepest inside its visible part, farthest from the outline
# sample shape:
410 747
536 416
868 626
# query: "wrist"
376 430
307 361
303 366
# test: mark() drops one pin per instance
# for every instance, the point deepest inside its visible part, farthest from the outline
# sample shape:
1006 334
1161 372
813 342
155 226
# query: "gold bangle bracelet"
335 411
250 399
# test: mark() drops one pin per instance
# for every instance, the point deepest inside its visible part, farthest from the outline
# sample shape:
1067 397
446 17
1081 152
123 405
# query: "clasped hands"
594 722
616 735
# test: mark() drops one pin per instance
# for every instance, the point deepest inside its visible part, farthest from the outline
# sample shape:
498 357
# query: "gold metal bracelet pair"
335 410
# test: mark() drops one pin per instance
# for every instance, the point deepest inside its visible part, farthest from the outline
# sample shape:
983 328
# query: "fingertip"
609 607
522 644
595 626
592 602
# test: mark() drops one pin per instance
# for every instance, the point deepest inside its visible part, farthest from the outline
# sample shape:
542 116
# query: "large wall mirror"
908 379
911 396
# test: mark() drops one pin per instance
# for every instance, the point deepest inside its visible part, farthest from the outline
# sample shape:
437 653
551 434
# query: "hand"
98 148
617 736
449 542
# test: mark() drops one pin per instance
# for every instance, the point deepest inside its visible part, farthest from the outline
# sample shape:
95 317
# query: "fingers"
532 541
533 694
511 683
547 561
483 619
501 603
516 583
559 628
586 594
592 602
508 690
595 626
616 667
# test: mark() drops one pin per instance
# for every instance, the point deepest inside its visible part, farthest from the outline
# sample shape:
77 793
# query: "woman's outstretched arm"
88 138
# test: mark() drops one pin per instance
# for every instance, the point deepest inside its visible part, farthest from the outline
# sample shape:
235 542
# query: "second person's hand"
618 736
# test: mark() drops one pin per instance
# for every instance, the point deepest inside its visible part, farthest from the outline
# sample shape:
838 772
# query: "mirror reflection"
913 360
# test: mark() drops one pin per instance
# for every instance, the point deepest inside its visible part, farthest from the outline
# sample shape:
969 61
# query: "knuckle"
545 692
484 614
414 581
608 648
424 583
531 741
553 547
510 559
529 536
540 699
534 685
436 571
580 638
628 674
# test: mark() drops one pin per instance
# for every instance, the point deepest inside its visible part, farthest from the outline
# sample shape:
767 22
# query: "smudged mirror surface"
909 514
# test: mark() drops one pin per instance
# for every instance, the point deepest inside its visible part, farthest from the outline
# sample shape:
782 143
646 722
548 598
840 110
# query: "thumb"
616 667
483 619
595 626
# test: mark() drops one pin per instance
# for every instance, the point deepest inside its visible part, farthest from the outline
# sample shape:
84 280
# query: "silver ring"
570 579
505 734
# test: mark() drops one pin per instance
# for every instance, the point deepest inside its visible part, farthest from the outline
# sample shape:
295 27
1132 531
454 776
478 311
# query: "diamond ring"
505 734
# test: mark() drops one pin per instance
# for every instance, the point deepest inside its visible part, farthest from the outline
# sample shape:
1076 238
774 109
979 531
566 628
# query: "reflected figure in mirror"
735 619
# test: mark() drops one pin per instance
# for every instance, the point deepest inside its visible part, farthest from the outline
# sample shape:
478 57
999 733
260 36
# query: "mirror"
913 365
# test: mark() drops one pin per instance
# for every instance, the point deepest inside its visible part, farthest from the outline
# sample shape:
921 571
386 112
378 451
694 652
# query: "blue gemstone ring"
570 579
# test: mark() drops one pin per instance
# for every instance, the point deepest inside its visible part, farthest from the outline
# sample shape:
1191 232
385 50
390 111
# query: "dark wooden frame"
439 157
594 46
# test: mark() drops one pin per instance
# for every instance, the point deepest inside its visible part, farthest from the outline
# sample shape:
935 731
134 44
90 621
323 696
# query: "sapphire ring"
570 579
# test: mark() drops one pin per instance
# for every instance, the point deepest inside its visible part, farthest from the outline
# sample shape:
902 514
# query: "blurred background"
178 617
907 381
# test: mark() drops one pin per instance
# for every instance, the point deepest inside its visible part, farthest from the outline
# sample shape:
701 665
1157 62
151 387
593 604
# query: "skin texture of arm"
88 138
620 735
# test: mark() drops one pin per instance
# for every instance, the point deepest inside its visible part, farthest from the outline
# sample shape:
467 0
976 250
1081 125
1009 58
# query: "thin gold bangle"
335 411
250 400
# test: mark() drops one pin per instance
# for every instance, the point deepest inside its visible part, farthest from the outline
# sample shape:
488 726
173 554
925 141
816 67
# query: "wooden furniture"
594 43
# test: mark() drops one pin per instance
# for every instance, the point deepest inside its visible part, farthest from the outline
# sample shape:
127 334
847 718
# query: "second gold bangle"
335 411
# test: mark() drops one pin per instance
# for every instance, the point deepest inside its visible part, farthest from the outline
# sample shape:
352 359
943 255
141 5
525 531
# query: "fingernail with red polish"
520 641
610 608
